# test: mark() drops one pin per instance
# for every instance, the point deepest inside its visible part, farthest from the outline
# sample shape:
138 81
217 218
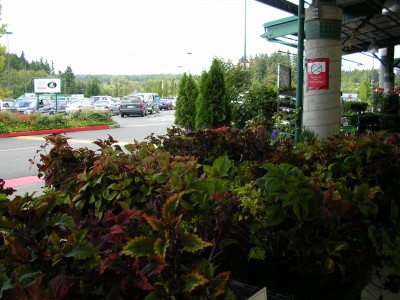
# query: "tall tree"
69 80
93 88
214 108
185 111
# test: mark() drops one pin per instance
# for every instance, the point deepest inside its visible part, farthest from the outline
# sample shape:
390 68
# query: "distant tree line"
263 69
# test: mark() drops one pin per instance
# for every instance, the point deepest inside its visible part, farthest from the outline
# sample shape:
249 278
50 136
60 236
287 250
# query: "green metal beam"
280 28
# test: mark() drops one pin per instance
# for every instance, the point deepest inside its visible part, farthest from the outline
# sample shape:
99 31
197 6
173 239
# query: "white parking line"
145 125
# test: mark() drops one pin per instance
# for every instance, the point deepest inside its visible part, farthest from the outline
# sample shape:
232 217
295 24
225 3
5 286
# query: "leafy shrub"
366 121
355 106
391 103
207 145
141 223
49 252
15 122
154 220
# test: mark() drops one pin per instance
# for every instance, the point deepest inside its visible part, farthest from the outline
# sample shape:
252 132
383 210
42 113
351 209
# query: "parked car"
78 104
94 99
107 105
6 105
133 105
173 102
150 99
59 106
30 105
165 103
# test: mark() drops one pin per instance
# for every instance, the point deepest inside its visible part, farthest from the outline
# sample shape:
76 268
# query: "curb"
57 130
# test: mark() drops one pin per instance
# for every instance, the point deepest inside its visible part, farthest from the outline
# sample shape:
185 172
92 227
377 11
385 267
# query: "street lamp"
8 60
189 53
245 61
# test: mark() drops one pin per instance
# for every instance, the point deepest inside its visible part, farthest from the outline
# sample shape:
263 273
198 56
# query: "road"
16 152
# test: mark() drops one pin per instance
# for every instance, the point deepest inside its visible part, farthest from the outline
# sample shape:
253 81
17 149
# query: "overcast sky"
123 37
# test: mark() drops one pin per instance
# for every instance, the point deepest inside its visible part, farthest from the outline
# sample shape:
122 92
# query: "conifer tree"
213 109
185 112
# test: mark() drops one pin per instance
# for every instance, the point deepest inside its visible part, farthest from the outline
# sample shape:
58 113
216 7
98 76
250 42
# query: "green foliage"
391 103
213 107
364 91
155 251
14 122
364 122
376 98
313 219
93 88
185 111
258 102
157 220
355 106
207 145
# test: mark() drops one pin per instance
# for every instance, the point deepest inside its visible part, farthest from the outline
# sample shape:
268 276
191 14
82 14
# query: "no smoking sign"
318 74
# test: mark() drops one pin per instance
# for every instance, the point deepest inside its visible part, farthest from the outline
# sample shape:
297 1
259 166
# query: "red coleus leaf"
219 282
125 216
112 262
61 286
19 252
154 266
34 289
17 293
141 281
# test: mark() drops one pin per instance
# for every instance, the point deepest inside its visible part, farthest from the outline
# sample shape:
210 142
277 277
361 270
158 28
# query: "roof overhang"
363 22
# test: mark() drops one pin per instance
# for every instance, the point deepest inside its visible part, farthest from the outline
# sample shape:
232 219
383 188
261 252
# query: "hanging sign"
318 73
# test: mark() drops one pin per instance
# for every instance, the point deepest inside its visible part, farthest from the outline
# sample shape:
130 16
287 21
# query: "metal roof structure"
364 22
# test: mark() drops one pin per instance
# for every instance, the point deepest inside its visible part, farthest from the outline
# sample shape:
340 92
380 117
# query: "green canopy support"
300 72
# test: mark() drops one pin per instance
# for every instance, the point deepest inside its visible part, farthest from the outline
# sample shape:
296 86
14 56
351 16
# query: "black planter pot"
250 276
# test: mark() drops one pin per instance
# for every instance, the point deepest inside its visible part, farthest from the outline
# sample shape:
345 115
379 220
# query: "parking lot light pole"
189 53
8 60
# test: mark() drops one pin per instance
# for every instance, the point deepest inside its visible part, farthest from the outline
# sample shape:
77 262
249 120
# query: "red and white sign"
318 73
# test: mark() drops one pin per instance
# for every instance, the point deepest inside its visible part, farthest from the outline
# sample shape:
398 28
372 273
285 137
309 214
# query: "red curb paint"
53 131
21 181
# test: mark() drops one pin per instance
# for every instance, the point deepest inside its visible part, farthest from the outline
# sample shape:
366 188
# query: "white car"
78 104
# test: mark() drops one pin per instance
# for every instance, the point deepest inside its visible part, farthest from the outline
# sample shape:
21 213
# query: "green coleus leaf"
81 250
221 166
5 284
257 253
62 220
139 246
192 243
155 223
340 246
192 280
155 295
28 278
160 247
169 207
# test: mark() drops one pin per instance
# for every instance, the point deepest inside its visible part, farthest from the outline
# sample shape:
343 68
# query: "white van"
150 98
6 105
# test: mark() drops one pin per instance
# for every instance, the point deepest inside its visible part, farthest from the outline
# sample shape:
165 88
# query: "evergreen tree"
364 91
214 109
185 111
93 88
69 80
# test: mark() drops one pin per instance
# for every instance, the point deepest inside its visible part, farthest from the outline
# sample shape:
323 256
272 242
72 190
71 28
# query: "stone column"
321 107
386 74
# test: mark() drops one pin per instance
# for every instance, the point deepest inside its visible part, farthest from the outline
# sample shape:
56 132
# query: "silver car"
107 105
